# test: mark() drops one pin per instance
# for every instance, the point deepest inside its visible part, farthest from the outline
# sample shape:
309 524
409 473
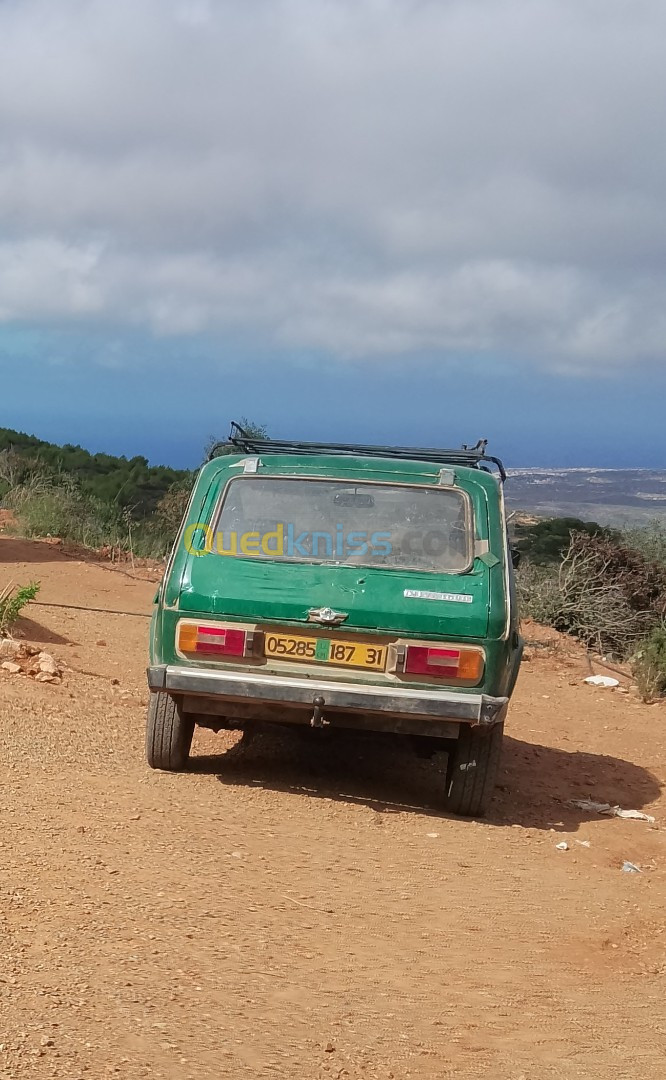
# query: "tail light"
211 639
454 663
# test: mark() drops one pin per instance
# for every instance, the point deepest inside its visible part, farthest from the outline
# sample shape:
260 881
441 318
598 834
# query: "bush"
609 596
640 579
12 600
576 601
171 508
649 665
545 543
649 540
44 506
57 506
539 593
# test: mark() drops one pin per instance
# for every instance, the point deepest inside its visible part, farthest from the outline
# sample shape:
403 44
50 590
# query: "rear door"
394 557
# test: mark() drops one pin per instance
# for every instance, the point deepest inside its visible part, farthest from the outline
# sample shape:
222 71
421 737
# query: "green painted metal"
258 589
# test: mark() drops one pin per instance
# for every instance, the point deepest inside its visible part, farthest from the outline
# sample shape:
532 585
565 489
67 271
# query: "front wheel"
169 734
472 770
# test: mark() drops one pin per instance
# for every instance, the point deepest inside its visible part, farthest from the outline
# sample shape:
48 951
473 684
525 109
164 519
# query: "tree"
546 542
216 447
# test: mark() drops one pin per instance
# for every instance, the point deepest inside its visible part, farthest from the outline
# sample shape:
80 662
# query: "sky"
409 221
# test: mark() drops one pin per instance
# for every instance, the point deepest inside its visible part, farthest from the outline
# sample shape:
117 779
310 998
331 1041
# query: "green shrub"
171 508
539 593
649 540
12 600
649 665
546 542
45 506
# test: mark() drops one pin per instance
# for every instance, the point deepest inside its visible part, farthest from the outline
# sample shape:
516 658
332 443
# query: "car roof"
335 466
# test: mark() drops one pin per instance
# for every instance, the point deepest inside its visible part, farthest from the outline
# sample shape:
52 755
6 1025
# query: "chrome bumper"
396 704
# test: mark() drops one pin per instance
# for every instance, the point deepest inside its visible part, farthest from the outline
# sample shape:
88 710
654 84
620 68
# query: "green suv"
341 586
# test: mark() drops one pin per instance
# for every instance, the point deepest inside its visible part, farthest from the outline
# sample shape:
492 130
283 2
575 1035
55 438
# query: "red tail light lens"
420 660
211 639
456 664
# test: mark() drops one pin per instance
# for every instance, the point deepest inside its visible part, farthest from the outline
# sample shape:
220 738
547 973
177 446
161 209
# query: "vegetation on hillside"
546 542
127 483
605 587
97 500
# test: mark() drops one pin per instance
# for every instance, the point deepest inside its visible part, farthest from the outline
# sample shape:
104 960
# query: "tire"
472 770
169 734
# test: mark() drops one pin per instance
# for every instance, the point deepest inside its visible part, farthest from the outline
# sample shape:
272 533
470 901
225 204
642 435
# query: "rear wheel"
472 770
169 734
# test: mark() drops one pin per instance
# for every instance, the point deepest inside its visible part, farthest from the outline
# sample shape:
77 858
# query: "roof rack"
243 442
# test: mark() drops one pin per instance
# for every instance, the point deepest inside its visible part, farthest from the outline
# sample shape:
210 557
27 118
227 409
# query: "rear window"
337 521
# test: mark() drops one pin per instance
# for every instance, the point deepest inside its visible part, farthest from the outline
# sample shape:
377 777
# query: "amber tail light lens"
206 639
447 662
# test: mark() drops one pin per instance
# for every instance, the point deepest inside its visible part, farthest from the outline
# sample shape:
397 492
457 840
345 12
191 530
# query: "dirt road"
302 911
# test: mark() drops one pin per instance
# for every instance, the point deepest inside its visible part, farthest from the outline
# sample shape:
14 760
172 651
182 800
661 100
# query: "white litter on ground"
610 811
601 680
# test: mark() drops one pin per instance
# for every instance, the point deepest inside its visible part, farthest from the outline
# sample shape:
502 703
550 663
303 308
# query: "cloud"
363 178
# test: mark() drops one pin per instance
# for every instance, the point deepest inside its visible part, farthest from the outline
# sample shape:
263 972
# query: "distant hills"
609 496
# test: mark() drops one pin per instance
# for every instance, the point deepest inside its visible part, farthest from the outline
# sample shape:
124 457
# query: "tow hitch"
317 719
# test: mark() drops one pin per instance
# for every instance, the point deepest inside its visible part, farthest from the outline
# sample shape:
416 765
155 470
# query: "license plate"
325 651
